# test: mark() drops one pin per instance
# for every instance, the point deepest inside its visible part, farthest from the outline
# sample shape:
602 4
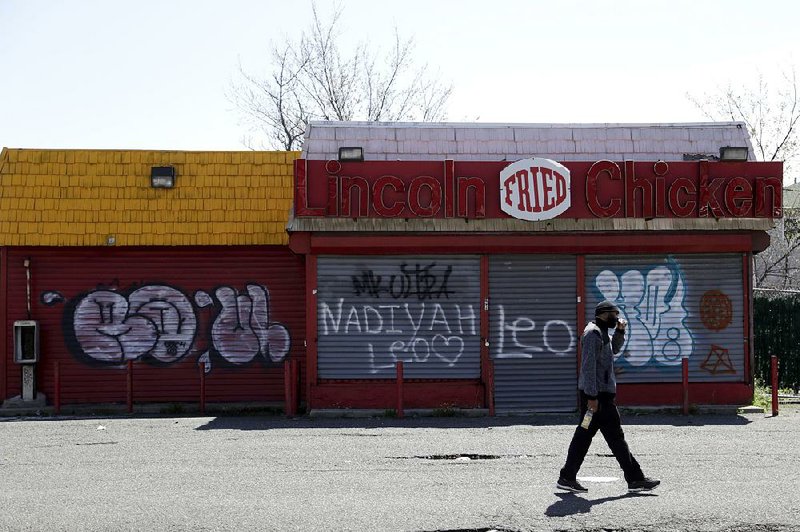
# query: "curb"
145 409
751 410
360 413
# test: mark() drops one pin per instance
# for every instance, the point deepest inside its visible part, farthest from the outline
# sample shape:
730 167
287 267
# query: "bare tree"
770 111
313 78
778 266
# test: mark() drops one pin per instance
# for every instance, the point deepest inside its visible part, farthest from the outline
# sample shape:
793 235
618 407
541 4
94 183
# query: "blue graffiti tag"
653 301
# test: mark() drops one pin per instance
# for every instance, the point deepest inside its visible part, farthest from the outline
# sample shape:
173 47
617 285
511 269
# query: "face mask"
611 322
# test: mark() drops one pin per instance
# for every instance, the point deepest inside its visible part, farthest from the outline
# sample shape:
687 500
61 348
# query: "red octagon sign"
534 189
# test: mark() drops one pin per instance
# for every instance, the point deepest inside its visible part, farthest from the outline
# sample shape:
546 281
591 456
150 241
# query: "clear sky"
153 74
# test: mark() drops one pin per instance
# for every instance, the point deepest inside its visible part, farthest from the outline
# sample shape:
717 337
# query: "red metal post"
57 398
748 317
202 387
490 385
399 366
287 387
685 373
295 385
774 363
130 386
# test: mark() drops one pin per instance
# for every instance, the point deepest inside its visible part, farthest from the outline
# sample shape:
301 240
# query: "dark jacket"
597 360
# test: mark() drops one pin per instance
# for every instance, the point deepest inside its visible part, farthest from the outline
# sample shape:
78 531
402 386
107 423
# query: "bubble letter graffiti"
155 320
160 322
654 303
242 329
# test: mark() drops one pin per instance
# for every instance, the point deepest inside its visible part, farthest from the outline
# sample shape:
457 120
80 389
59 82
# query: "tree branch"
313 78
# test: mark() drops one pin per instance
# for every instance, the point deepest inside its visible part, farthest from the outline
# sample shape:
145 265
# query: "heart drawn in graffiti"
448 348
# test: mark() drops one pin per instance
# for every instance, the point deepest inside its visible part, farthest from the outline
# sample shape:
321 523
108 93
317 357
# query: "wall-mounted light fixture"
733 153
353 153
162 177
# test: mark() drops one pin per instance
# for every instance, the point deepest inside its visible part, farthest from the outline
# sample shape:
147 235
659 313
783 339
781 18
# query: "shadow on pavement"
269 421
571 504
684 421
281 423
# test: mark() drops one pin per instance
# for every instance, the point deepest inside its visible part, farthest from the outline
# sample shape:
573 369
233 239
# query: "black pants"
607 421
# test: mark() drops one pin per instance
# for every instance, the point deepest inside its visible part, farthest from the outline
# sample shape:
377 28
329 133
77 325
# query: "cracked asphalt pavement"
732 473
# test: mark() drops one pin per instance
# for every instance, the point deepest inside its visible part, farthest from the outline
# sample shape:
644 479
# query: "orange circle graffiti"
716 310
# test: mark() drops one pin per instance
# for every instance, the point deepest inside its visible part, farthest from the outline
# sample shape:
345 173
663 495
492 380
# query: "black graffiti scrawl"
159 322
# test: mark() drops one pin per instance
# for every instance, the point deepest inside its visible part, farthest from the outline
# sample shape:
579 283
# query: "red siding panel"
239 308
3 319
700 393
383 394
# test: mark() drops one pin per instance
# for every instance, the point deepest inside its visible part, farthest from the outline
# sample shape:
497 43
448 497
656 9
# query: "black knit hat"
605 306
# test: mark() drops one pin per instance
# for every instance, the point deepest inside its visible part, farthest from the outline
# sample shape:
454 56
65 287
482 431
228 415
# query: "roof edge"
3 158
491 125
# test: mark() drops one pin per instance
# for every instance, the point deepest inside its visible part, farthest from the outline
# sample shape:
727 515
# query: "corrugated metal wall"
533 335
238 308
375 310
677 306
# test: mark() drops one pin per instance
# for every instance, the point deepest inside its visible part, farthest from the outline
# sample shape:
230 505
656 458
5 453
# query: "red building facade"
479 275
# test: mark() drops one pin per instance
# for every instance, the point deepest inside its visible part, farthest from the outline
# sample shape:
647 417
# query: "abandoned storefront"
475 255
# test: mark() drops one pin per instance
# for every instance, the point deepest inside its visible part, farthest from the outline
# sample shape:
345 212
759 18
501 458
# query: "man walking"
598 387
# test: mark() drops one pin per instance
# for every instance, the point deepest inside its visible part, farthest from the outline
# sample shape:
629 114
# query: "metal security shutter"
374 311
677 306
533 337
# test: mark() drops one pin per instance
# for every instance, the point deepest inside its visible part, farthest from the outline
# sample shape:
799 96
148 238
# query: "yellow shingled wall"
83 197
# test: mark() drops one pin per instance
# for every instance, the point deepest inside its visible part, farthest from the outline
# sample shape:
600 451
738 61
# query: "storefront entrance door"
533 332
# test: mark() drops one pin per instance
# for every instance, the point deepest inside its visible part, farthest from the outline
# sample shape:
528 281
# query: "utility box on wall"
26 342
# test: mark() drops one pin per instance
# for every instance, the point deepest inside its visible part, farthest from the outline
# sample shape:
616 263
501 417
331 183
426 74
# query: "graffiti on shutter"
677 306
376 311
533 340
